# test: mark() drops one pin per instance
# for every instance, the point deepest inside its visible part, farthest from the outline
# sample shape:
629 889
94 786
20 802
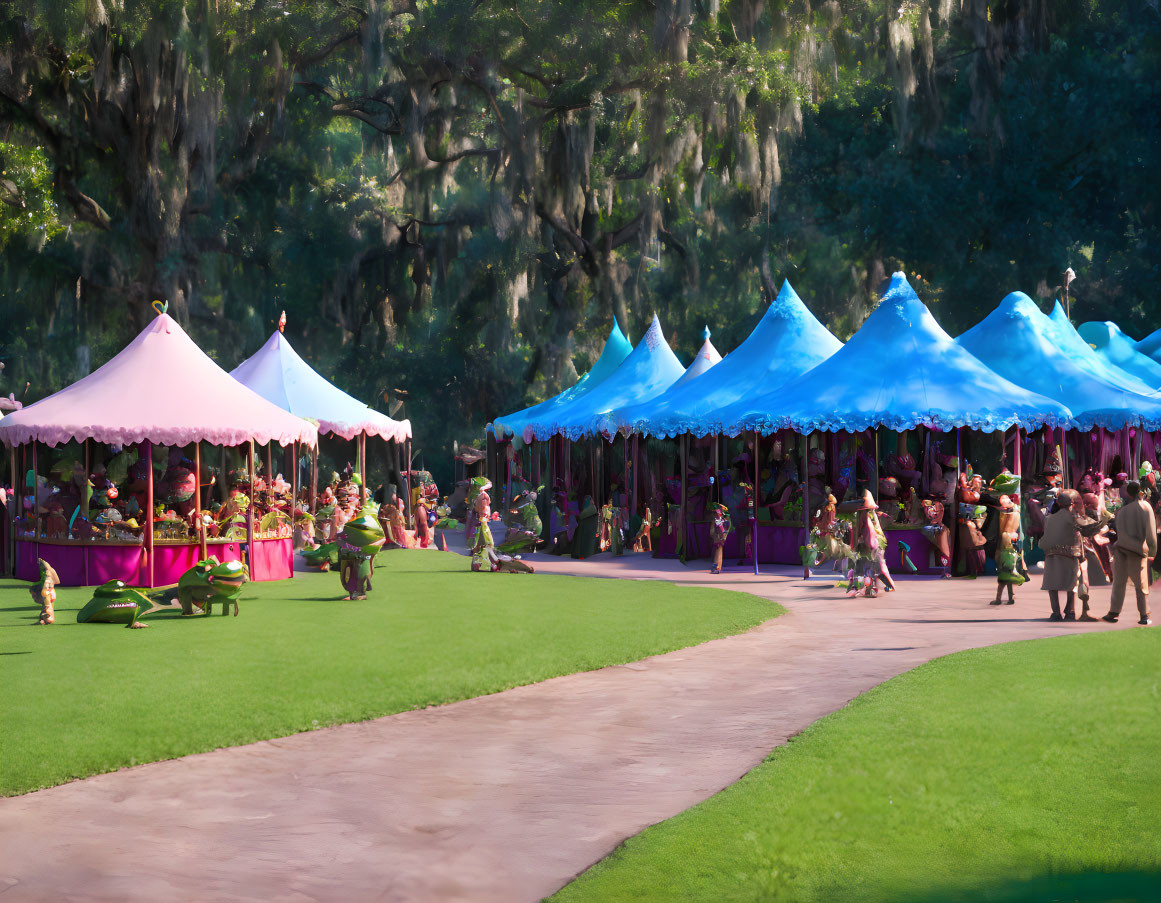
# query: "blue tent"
787 342
1116 348
1150 345
706 358
1019 342
900 370
278 374
648 370
617 348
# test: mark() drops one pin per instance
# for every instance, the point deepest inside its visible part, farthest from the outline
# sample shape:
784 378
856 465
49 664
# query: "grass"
1028 771
80 699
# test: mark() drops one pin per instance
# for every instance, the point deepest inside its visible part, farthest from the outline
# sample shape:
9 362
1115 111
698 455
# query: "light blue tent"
1150 345
1117 349
278 374
706 358
648 370
617 348
787 342
1019 342
900 371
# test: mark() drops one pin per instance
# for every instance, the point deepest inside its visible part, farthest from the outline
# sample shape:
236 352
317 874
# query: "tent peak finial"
705 333
282 322
162 307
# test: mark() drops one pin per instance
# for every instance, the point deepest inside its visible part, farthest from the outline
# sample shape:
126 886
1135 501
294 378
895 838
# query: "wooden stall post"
201 528
250 509
149 511
754 523
804 470
407 482
17 495
875 468
35 501
314 479
684 518
85 495
293 498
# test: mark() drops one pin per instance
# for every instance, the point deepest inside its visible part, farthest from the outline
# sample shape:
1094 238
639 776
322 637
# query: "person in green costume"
584 540
1008 551
360 540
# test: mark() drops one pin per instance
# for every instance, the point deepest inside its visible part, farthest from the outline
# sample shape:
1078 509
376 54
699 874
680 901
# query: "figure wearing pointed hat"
720 528
870 544
358 542
44 591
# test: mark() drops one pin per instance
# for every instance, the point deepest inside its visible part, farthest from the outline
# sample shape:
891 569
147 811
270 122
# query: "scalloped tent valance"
278 374
160 388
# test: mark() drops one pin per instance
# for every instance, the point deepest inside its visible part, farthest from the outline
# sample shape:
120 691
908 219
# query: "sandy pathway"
505 797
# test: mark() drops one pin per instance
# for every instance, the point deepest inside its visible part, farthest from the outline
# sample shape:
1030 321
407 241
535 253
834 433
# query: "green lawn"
1029 771
78 699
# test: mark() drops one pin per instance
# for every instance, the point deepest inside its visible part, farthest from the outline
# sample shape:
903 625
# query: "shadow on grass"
1088 887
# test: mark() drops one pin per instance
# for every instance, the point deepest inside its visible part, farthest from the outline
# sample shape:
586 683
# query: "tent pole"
199 526
804 470
954 497
250 509
13 517
36 499
149 545
312 490
407 483
84 494
754 493
293 498
270 472
1017 456
636 458
875 468
684 520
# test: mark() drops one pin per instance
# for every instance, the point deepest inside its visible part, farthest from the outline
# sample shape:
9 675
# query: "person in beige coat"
1136 543
1063 552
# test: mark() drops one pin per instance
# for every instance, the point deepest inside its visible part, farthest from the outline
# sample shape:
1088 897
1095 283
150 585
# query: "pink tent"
161 388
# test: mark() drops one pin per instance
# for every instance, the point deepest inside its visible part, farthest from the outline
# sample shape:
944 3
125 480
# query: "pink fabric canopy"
161 388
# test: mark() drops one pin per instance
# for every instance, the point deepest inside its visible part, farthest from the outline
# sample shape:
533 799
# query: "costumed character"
210 581
869 546
936 533
360 539
1038 502
584 540
526 533
1090 567
830 538
1064 551
611 528
1008 550
643 536
116 603
44 591
478 486
484 554
394 527
720 528
1097 548
422 523
970 519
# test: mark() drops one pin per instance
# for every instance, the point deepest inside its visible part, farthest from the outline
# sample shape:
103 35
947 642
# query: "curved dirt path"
503 797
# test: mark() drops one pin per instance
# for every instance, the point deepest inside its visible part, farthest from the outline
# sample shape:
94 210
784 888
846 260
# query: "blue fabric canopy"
900 370
278 374
648 370
1150 345
1117 349
787 342
617 348
1019 342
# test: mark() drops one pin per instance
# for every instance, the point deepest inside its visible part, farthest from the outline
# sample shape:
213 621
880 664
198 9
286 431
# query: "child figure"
44 591
1008 550
720 528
